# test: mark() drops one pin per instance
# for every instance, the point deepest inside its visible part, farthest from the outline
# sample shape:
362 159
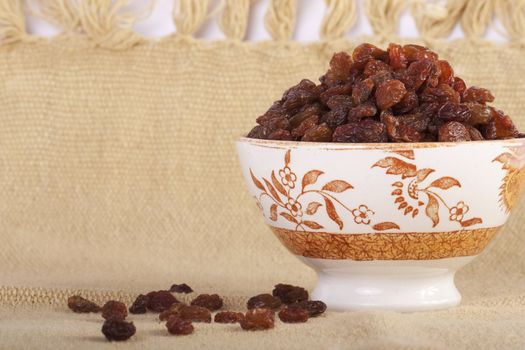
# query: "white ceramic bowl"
385 225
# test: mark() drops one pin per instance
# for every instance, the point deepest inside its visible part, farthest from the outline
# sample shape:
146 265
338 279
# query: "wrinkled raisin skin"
140 305
293 314
228 317
258 319
79 304
314 307
114 310
289 294
176 326
181 288
389 93
453 132
160 300
212 302
118 330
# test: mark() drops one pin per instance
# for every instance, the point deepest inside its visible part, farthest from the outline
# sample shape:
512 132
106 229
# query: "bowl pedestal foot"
389 285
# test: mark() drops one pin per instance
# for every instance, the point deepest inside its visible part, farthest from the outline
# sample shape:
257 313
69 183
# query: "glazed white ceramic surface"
384 225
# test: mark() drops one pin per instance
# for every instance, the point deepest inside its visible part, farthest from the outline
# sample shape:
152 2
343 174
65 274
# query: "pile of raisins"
291 302
403 94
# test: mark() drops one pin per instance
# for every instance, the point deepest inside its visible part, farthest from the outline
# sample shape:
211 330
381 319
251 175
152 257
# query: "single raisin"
319 133
475 134
366 52
114 310
305 113
453 132
173 310
303 85
389 93
118 330
396 57
459 85
140 305
278 124
275 111
297 99
367 109
81 305
212 302
306 125
195 313
267 301
373 67
341 89
314 307
258 319
176 326
339 101
228 317
340 66
477 94
289 294
334 118
454 112
479 114
416 74
181 288
280 134
366 130
362 91
416 53
405 128
409 102
440 94
499 127
446 72
293 314
161 300
381 77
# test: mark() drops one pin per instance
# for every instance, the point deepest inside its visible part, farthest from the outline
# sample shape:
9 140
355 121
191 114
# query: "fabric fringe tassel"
280 19
234 18
383 16
340 16
511 13
105 22
12 22
109 23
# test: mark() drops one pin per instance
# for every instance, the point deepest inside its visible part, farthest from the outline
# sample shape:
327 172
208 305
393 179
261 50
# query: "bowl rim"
380 146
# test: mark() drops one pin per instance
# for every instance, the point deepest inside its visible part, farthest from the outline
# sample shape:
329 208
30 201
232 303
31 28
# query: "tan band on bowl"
386 246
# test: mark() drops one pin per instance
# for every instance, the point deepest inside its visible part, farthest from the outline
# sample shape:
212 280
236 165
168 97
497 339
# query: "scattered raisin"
140 305
81 305
181 288
114 310
289 294
228 317
173 310
160 300
195 313
258 319
118 330
314 307
176 326
293 314
267 301
389 93
212 302
453 132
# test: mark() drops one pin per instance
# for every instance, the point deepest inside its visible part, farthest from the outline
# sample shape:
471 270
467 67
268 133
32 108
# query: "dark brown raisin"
118 330
459 85
306 125
389 93
314 307
407 104
475 134
275 111
417 73
267 301
114 310
340 66
293 314
280 134
381 77
405 128
396 57
373 67
81 305
177 326
305 113
454 112
364 131
289 294
212 302
335 117
367 109
440 94
161 300
181 288
362 91
303 85
342 89
479 114
279 123
258 319
297 99
140 305
228 317
477 94
366 52
453 132
319 133
339 101
173 310
499 127
259 132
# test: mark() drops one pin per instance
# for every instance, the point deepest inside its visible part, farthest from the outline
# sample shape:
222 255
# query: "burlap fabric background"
118 175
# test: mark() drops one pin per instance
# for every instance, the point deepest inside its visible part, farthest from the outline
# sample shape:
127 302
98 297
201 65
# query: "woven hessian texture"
118 175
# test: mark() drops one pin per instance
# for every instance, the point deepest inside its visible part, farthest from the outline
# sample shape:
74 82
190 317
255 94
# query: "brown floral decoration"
280 190
416 190
514 181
